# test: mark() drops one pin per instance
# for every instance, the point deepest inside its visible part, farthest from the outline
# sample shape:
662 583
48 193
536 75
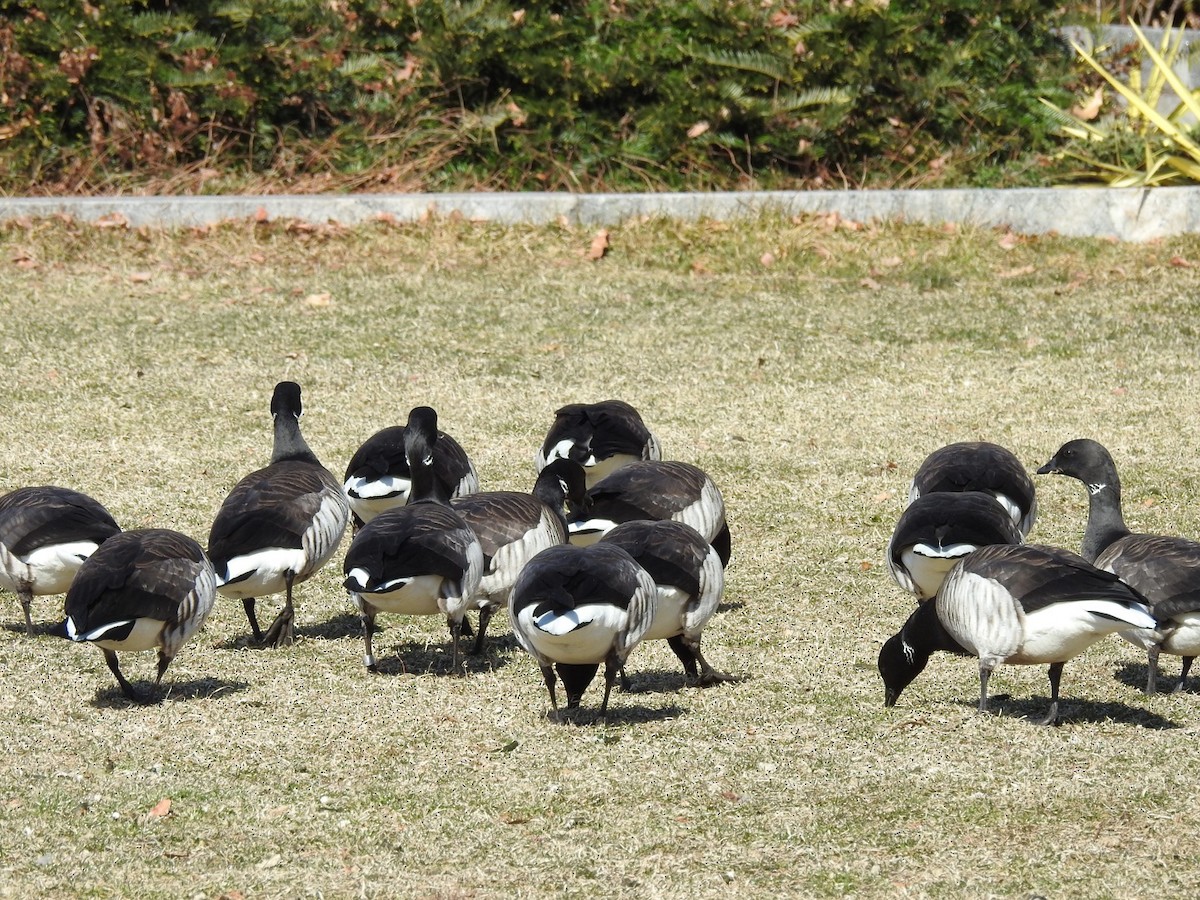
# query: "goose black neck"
1105 523
420 438
289 442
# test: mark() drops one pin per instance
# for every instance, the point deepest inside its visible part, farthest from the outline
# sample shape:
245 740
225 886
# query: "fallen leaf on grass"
599 245
139 277
1016 273
698 129
161 809
767 259
318 301
1008 240
1181 262
870 284
112 220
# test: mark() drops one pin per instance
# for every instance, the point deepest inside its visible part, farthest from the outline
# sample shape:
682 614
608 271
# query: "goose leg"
688 651
163 661
367 615
110 657
1055 675
281 633
26 597
985 673
548 678
1187 666
485 618
248 603
612 665
1152 670
456 628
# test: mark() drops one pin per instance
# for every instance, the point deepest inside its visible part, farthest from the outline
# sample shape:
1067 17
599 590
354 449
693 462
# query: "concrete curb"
1126 214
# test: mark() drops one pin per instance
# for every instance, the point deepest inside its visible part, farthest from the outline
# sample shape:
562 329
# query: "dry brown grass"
810 383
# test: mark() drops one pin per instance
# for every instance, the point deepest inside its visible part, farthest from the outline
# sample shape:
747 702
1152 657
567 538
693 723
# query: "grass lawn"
807 365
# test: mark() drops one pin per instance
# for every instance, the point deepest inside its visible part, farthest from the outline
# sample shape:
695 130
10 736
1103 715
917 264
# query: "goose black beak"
1050 468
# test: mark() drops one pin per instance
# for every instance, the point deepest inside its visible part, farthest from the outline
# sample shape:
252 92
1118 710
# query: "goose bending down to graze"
280 524
601 437
573 608
141 590
45 535
416 560
689 579
513 527
378 477
1164 569
937 530
1017 604
979 466
654 490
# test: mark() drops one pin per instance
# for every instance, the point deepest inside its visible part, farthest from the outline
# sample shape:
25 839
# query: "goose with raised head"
420 559
378 477
937 530
46 533
979 466
513 527
279 524
1021 604
574 608
689 580
601 437
141 590
654 490
1163 568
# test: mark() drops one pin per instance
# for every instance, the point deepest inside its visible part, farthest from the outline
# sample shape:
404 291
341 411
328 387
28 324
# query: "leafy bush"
586 94
1149 140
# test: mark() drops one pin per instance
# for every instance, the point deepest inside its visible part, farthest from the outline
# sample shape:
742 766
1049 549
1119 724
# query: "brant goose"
140 590
45 535
513 527
280 524
573 608
1020 604
979 466
601 437
690 581
419 559
1163 568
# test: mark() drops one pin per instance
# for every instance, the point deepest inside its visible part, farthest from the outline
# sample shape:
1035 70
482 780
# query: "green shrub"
587 94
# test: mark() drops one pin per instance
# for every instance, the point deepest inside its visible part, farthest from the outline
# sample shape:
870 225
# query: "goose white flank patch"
980 466
1017 604
141 590
937 530
574 608
601 437
689 580
513 527
420 559
654 490
1163 568
279 524
378 477
46 533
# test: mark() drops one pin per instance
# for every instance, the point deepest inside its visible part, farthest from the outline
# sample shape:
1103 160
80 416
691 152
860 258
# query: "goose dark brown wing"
272 507
39 516
1165 569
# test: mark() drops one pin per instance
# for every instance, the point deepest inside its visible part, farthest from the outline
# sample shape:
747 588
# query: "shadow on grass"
1074 712
619 713
196 689
433 658
665 681
731 605
1134 675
